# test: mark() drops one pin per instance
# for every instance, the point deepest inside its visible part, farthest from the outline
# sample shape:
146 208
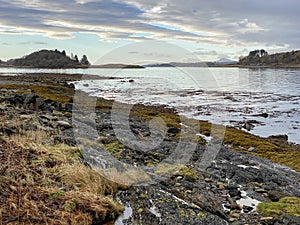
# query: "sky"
207 29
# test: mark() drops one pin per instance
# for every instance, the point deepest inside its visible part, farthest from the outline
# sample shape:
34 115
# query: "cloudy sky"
209 29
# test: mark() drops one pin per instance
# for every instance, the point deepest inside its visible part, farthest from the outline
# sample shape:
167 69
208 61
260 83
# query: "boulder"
280 137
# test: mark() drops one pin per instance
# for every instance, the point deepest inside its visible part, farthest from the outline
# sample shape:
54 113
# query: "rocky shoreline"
228 191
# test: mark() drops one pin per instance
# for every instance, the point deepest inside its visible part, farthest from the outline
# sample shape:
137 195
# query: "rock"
16 100
43 105
173 130
266 219
64 124
48 117
68 107
208 180
178 178
131 81
235 215
287 220
235 206
248 126
232 219
265 115
30 101
252 149
247 209
280 137
260 190
274 196
57 106
234 191
65 140
221 185
25 117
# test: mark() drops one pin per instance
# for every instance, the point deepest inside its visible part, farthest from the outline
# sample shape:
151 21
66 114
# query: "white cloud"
223 23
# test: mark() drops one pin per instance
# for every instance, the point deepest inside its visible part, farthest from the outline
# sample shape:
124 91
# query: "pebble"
247 209
64 124
232 219
252 149
260 190
48 117
25 117
266 218
235 215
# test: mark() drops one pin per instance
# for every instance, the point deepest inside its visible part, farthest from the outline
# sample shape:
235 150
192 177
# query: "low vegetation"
43 183
288 206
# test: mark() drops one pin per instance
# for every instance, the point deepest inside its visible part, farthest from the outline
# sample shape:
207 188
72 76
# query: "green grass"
289 206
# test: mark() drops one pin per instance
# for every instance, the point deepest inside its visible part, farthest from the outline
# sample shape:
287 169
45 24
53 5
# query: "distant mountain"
178 64
262 58
118 66
224 61
48 59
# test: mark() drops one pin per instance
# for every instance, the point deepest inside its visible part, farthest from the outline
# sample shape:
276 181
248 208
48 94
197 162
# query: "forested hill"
262 58
48 59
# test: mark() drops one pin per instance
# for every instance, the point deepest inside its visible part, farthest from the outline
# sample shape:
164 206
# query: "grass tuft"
288 206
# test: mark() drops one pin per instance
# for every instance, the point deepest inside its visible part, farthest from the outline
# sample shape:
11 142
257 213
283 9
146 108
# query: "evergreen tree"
76 58
84 60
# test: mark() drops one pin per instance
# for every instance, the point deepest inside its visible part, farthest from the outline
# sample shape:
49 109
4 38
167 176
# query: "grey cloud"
228 23
32 43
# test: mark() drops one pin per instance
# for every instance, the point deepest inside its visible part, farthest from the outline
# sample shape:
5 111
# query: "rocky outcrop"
228 191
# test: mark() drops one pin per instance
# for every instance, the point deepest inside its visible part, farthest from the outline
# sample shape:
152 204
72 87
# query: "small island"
50 59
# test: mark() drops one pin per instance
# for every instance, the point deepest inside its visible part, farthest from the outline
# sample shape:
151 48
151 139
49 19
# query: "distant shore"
124 66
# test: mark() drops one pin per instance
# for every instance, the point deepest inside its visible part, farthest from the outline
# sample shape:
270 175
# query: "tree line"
262 58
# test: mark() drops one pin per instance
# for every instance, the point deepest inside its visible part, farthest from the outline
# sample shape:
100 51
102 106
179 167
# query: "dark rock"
287 220
30 101
274 195
248 126
42 105
280 137
247 209
173 130
234 191
48 117
131 81
16 100
71 86
265 115
68 107
57 106
65 140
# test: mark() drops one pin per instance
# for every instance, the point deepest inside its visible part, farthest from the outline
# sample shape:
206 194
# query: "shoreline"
123 66
237 168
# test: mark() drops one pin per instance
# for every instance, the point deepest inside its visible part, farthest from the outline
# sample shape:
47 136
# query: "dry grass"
47 184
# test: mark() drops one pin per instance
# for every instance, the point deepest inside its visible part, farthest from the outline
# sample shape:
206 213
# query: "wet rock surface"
228 191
